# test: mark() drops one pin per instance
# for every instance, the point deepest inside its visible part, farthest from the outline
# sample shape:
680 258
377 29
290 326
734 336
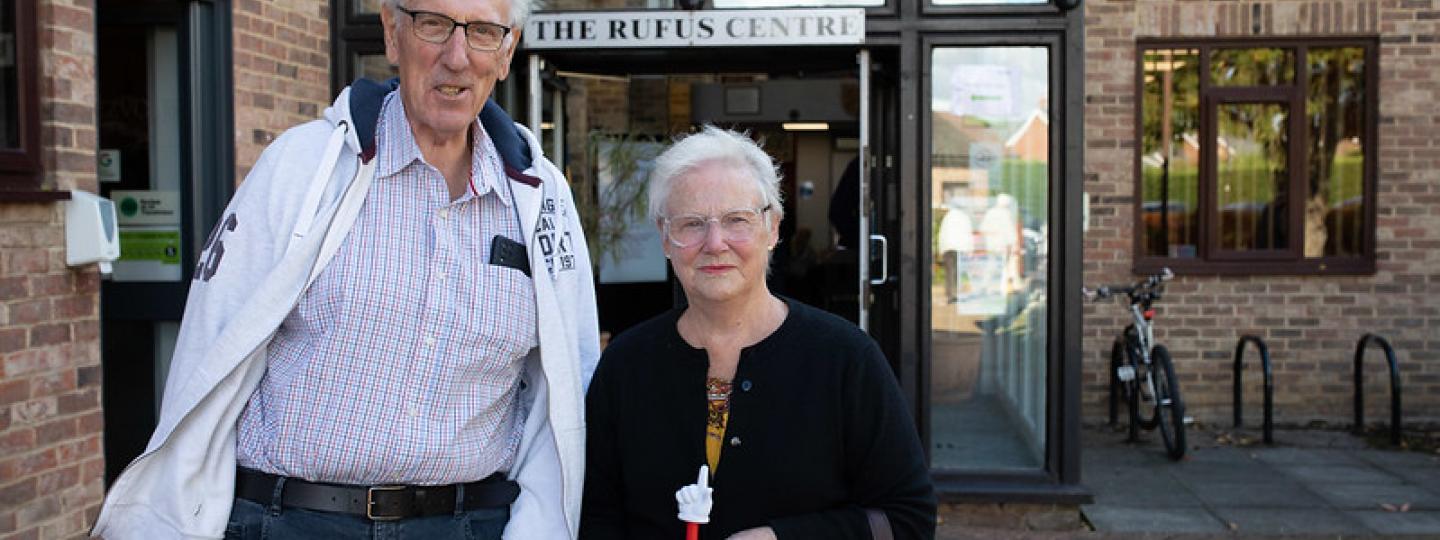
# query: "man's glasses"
736 226
437 28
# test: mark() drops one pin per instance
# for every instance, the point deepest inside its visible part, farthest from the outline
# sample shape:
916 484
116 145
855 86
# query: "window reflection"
1252 67
990 150
1170 154
374 67
9 79
1251 155
1335 118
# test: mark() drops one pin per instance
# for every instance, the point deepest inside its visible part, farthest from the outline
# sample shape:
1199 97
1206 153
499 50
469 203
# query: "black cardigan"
817 433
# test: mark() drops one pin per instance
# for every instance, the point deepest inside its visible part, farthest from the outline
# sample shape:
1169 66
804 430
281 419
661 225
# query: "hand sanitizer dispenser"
90 231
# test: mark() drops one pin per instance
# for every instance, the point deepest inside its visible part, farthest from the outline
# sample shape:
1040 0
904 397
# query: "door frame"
1058 479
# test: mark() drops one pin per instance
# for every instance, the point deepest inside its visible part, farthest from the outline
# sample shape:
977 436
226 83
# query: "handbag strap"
879 525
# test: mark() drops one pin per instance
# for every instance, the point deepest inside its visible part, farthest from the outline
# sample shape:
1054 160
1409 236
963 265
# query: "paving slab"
1249 521
1286 495
1145 491
1340 474
1131 519
1291 456
1237 472
1412 522
1372 496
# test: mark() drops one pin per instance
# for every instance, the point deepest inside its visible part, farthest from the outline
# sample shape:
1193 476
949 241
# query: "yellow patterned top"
718 394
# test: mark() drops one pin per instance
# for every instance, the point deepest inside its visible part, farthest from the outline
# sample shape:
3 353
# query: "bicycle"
1142 369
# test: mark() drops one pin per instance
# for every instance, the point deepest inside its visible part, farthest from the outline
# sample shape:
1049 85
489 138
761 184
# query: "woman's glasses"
736 226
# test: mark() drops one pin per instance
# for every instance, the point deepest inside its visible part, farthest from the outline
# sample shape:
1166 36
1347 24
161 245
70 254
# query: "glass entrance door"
606 121
988 229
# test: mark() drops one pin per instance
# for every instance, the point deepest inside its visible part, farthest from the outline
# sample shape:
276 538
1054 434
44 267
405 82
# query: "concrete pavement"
1311 484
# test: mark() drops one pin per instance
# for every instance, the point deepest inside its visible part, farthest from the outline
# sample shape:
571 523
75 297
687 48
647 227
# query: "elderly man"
391 329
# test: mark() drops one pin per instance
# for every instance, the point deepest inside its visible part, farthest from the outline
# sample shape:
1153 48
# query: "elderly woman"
795 410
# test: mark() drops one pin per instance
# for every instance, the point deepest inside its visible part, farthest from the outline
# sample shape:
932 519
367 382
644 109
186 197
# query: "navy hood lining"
367 97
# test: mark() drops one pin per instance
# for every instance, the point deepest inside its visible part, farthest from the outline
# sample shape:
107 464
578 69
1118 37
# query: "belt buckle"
370 502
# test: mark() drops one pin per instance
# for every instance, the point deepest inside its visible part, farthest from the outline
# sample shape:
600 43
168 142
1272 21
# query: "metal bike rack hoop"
1394 386
1269 425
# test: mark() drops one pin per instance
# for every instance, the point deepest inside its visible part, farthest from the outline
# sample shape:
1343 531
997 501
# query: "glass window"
1279 173
9 78
374 67
19 101
1252 154
1252 67
985 2
1170 153
366 7
1335 124
990 148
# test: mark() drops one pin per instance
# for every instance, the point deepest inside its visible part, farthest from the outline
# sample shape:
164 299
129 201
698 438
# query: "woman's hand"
758 533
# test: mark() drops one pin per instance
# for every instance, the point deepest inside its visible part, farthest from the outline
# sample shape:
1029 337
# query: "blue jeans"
250 520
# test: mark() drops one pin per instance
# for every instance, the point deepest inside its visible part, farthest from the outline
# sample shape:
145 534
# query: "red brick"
12 495
13 288
50 284
28 312
87 281
49 334
50 384
22 466
55 431
40 510
91 423
88 376
86 330
83 400
55 481
14 391
75 307
11 340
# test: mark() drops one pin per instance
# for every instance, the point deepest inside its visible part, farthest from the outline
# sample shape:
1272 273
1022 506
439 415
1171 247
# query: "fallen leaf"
1405 507
1388 507
1232 525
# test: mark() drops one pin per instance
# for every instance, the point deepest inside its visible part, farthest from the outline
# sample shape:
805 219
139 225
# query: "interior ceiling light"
806 126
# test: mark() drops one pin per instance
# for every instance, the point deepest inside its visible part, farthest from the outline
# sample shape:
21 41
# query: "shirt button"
412 410
745 385
444 213
429 341
734 441
442 275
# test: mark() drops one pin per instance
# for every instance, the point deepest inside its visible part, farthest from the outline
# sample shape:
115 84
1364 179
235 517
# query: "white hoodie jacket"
282 227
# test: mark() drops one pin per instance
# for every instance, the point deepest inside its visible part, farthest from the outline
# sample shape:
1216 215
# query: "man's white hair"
714 144
519 11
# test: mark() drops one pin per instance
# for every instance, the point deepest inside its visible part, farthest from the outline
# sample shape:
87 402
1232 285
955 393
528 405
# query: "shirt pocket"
500 313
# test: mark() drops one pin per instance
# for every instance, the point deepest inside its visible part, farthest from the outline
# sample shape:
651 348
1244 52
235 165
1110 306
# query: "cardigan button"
745 385
734 441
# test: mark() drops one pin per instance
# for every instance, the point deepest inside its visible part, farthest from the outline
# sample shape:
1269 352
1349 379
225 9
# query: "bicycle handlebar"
1150 283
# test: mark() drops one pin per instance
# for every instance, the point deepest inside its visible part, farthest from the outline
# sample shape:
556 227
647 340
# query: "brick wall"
282 71
1311 323
51 463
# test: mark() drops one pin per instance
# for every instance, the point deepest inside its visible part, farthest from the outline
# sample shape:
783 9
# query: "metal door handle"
884 259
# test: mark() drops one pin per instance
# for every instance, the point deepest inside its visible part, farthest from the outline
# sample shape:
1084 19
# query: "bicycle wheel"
1169 408
1121 355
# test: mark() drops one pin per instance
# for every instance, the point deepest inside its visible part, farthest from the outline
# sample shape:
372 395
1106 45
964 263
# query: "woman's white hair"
714 144
519 11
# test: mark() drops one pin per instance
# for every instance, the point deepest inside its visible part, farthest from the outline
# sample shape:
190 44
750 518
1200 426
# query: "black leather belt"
379 503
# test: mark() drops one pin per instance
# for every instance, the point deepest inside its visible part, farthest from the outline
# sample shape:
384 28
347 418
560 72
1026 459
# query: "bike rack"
1269 425
1394 386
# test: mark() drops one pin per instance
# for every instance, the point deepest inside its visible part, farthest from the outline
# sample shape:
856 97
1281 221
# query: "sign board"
148 254
703 28
147 207
108 165
982 90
